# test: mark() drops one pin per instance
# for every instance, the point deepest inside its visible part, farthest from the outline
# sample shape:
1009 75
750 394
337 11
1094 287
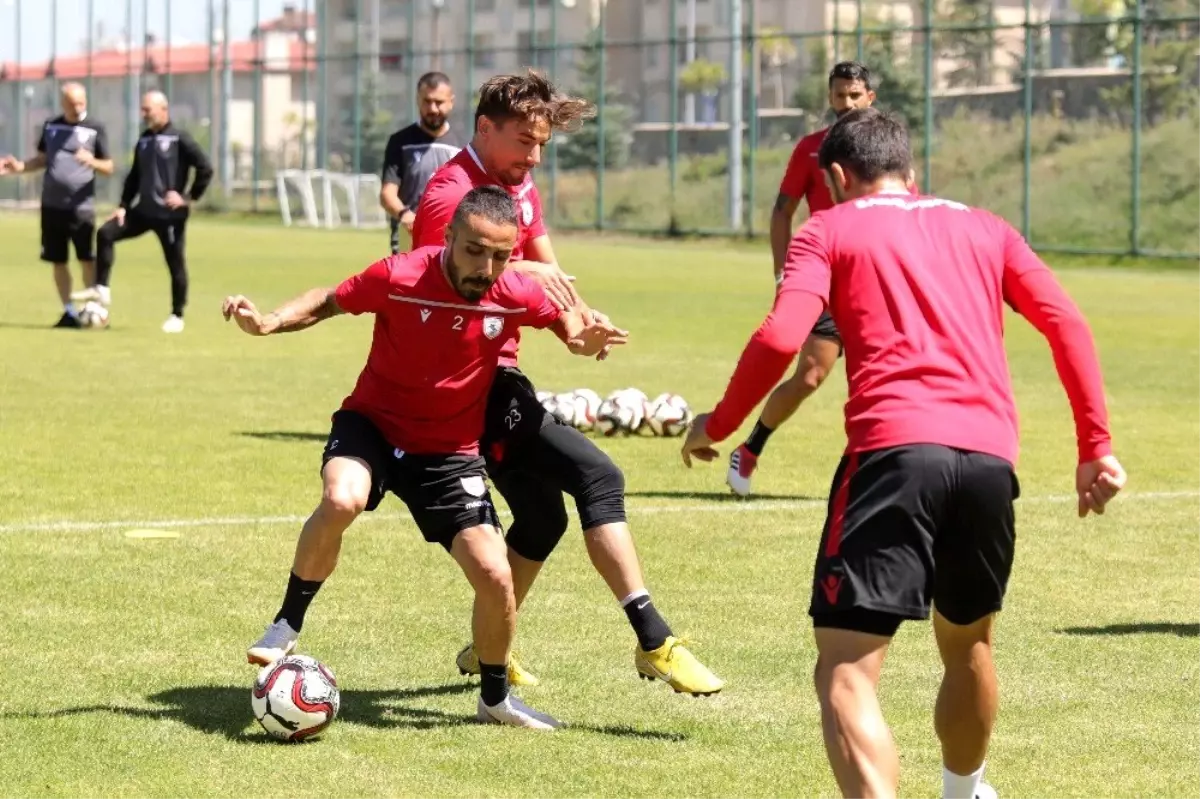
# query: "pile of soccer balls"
627 411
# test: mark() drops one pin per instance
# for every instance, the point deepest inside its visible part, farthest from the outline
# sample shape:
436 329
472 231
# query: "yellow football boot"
468 663
675 665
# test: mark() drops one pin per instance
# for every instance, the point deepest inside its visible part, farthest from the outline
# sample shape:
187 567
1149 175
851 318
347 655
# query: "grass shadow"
284 435
1181 629
225 710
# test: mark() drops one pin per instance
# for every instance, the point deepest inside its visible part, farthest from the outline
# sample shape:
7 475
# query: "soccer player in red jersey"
532 458
849 88
921 506
413 422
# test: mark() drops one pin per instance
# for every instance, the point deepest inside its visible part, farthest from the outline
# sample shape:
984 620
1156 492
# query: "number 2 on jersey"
458 323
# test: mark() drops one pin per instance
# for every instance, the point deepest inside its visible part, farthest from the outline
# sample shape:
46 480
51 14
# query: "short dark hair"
506 97
868 142
432 80
850 70
490 202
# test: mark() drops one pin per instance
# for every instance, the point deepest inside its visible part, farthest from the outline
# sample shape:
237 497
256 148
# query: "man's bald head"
74 101
155 111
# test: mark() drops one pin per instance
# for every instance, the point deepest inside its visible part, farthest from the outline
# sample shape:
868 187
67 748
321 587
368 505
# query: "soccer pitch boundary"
728 506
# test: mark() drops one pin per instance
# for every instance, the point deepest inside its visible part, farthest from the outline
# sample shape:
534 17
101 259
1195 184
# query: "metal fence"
1078 120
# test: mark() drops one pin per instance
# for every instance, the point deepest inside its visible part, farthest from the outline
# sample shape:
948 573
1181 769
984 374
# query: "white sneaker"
515 713
174 324
742 464
100 294
277 642
985 791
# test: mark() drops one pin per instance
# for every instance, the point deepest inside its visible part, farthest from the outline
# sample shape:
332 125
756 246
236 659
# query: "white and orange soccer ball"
669 415
587 406
295 698
93 315
623 412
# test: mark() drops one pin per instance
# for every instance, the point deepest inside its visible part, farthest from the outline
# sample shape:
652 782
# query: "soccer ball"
562 407
587 405
669 415
544 397
93 314
623 411
295 698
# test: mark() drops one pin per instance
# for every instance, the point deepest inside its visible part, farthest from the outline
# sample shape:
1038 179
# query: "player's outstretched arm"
312 306
589 334
11 165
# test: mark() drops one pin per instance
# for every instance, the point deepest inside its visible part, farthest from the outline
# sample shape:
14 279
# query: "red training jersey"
446 189
434 354
917 287
803 177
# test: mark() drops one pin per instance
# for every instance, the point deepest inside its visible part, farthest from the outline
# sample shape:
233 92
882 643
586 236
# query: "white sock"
633 596
961 786
105 295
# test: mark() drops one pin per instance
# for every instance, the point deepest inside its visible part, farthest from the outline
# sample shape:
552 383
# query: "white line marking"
724 506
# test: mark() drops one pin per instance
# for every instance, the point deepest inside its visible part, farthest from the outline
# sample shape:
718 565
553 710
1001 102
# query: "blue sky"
188 22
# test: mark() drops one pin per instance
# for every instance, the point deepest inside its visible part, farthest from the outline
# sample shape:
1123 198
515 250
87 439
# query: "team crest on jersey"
526 212
164 145
84 135
492 325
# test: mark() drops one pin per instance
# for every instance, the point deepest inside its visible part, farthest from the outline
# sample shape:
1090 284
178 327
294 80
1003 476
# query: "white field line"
635 509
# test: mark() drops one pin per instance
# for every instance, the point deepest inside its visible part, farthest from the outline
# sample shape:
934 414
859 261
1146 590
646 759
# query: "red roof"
177 60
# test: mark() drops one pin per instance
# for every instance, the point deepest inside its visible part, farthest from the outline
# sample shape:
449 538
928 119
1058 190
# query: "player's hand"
10 165
553 280
242 311
118 216
407 217
85 157
174 200
697 444
1097 482
597 337
591 315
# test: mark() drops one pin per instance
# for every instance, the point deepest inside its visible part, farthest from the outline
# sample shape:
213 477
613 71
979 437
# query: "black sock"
649 626
493 683
295 602
758 438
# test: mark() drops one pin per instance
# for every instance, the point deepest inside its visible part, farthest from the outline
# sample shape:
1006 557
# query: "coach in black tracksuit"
162 159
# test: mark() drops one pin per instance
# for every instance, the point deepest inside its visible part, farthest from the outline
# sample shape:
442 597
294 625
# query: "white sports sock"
961 786
633 596
105 294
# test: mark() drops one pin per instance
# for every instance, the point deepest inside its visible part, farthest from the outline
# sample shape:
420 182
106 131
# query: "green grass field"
123 667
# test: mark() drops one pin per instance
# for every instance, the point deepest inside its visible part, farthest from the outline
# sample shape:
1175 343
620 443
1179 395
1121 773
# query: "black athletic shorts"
913 525
514 416
62 228
445 494
825 328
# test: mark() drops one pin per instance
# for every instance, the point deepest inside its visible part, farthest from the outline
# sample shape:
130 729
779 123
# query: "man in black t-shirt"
73 147
416 152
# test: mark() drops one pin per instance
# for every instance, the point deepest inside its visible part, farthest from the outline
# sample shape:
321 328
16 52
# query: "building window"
391 54
533 52
485 53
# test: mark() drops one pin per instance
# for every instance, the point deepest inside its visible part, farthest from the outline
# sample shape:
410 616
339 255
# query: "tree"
375 126
1168 60
580 150
1093 44
705 78
777 51
969 44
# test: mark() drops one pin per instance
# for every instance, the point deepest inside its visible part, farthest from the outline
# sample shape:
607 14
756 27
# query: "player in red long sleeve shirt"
849 88
921 506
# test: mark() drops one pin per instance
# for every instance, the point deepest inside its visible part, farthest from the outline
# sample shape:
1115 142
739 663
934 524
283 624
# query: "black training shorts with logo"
911 526
63 228
445 494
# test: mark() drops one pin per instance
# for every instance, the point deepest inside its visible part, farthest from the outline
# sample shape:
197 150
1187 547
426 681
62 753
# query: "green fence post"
322 85
602 150
837 38
858 32
673 104
1027 157
471 47
212 77
304 93
255 167
1135 217
755 85
130 126
19 100
142 78
409 58
927 170
356 122
736 106
554 77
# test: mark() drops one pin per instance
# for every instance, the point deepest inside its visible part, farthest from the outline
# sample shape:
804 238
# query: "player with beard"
849 88
413 422
414 153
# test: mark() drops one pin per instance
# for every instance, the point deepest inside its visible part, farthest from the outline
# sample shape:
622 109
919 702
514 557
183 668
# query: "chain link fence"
1078 120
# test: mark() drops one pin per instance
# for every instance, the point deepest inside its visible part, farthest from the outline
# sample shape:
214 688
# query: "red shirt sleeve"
802 296
435 212
1031 288
366 292
799 172
540 312
538 226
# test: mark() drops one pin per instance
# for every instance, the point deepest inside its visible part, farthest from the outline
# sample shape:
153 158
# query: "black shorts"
514 417
825 328
445 494
62 228
913 525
